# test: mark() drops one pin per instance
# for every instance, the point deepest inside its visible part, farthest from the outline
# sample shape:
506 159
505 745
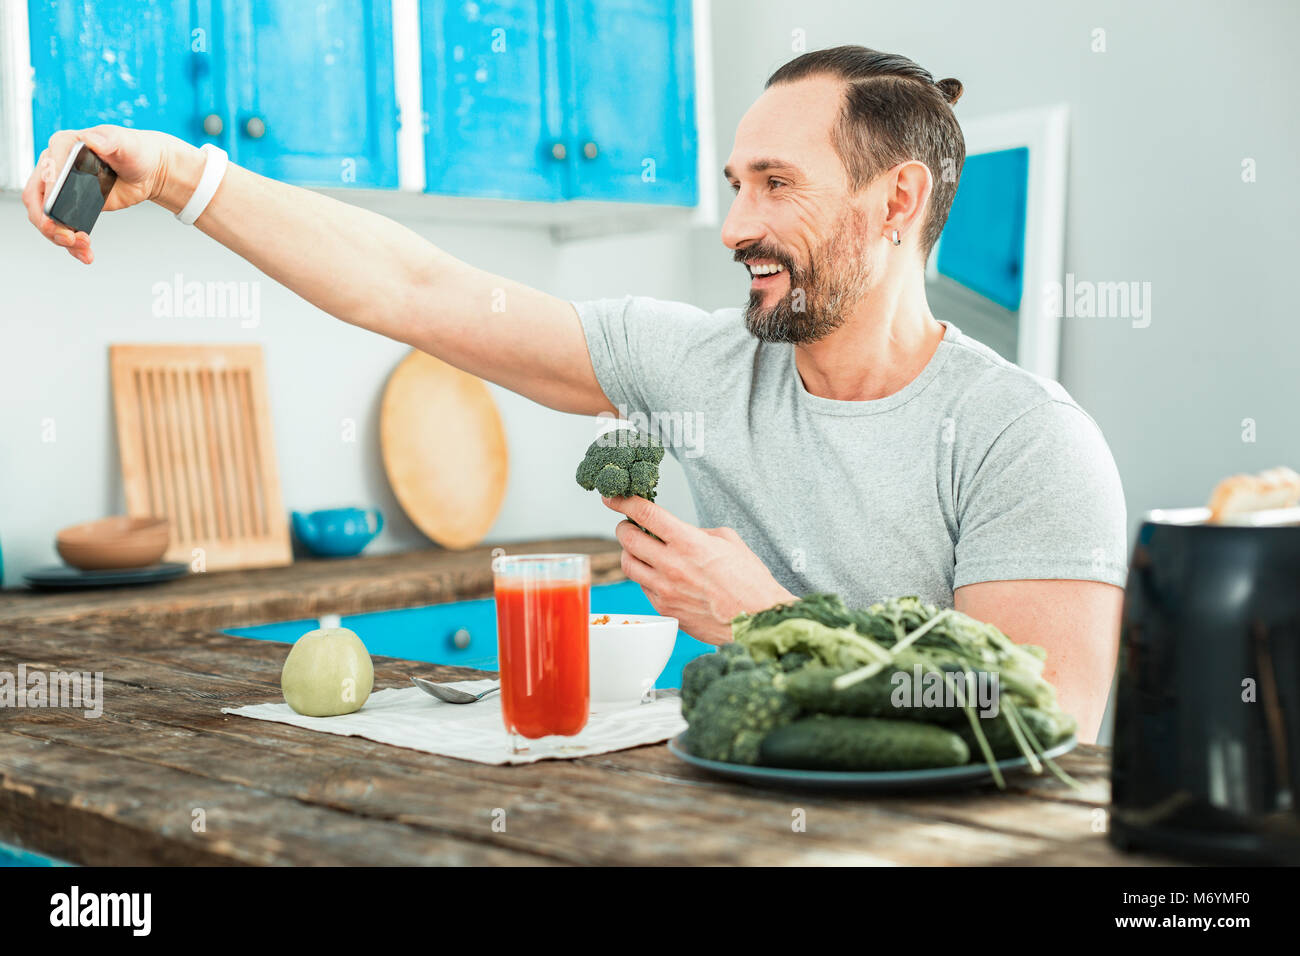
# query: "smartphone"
82 188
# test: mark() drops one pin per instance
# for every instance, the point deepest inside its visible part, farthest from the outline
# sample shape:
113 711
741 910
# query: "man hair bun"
951 90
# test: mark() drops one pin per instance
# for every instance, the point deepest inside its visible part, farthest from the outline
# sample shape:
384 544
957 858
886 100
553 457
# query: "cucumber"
822 742
811 688
1049 727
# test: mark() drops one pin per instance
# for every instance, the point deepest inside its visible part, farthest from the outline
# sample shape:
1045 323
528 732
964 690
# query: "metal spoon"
451 695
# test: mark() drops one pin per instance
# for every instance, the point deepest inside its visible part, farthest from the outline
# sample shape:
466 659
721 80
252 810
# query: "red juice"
542 646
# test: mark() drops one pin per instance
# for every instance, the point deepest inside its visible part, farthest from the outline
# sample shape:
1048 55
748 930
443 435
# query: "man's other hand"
703 577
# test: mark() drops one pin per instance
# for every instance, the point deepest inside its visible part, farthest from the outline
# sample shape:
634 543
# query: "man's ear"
908 186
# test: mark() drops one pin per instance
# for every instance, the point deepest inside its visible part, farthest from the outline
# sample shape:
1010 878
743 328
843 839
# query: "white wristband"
214 168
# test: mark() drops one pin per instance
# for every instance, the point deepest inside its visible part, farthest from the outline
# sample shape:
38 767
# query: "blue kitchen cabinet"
492 99
130 63
299 92
312 97
560 99
523 99
631 105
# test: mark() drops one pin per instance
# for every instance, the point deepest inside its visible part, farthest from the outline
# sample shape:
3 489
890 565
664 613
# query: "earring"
897 241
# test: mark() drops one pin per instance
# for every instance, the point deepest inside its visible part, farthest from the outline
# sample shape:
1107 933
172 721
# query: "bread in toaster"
1240 494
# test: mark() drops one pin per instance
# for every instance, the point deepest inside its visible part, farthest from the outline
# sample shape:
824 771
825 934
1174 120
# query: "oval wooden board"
444 449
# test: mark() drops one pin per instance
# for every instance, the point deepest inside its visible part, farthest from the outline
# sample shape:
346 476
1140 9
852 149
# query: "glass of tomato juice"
543 603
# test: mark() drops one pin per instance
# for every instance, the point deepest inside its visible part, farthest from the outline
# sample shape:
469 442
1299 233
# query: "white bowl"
627 658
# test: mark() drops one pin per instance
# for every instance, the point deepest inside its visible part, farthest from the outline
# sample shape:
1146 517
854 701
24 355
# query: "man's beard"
821 295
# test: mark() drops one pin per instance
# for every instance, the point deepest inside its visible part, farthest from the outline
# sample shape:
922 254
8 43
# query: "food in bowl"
628 652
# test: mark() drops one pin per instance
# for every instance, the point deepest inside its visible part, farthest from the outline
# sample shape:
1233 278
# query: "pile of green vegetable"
813 685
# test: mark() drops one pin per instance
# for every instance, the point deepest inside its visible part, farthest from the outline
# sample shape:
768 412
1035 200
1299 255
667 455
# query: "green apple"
328 673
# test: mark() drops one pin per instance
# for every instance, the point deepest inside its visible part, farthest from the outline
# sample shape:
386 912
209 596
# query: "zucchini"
822 742
811 688
1048 727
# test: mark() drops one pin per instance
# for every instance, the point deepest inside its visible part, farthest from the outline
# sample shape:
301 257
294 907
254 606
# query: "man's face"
794 222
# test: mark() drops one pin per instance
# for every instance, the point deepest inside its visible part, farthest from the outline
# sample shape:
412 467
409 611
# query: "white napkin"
408 717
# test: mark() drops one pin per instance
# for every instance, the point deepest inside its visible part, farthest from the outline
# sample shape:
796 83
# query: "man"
851 442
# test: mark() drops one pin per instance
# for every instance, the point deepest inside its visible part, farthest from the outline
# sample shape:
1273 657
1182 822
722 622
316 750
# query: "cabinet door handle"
460 640
590 151
255 128
212 125
558 151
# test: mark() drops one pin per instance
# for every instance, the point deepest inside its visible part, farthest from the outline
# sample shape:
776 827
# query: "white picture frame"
1044 131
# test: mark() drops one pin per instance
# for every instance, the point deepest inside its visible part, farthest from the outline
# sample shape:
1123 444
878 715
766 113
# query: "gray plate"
62 576
967 775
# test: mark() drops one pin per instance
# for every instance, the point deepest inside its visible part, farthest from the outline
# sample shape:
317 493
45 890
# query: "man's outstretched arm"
354 264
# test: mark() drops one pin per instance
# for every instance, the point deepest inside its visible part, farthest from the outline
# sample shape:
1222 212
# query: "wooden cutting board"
444 449
194 435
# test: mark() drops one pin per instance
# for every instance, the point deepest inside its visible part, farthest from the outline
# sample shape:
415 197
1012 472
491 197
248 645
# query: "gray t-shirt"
974 471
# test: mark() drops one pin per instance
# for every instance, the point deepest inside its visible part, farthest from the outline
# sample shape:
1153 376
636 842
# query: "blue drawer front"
560 99
631 100
426 633
16 856
320 79
129 63
491 95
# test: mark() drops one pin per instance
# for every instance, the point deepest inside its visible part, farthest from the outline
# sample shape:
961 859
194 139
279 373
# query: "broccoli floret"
620 455
620 462
612 481
588 469
697 675
738 657
736 652
702 671
736 711
643 476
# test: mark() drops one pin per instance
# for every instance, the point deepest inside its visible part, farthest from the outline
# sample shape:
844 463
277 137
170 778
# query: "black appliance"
1206 761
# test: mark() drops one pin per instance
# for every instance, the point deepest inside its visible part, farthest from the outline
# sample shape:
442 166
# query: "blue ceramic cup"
337 532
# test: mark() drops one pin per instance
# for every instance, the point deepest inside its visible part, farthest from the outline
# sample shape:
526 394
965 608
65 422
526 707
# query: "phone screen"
82 191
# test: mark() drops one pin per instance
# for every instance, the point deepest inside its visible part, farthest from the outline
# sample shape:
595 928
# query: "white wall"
57 318
1160 125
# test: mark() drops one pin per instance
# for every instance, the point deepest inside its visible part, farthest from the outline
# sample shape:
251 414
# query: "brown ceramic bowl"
119 542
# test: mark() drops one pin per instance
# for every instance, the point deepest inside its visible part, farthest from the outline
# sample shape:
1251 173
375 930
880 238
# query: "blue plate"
883 781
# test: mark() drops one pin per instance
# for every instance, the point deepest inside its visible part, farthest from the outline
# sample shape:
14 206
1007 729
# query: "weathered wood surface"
308 588
127 787
124 788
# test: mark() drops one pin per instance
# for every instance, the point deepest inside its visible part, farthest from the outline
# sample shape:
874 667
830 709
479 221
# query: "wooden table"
131 786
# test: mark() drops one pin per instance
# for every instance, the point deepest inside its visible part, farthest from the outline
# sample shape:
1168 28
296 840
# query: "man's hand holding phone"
148 166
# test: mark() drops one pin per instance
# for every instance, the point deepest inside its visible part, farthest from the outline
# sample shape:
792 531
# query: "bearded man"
852 441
